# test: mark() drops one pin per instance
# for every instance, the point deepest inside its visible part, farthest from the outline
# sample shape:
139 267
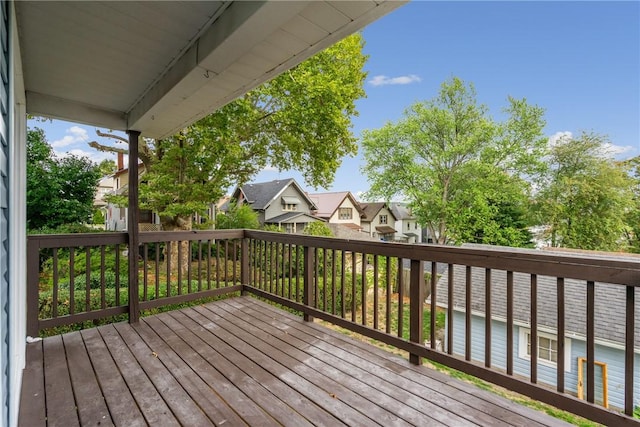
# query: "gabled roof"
401 211
371 210
291 217
609 309
260 195
328 203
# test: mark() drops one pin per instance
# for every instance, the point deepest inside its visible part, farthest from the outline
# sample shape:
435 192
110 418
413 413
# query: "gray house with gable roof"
609 328
281 202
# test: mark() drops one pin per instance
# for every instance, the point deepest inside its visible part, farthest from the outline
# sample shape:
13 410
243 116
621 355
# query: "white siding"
355 219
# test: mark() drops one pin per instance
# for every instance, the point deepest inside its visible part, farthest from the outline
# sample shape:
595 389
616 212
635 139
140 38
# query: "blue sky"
578 60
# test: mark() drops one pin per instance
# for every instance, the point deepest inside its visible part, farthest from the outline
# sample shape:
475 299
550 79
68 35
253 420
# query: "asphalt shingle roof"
609 313
260 194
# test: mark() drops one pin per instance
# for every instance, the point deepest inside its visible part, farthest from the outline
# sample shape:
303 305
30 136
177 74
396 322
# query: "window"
416 226
383 219
547 348
290 207
408 225
345 213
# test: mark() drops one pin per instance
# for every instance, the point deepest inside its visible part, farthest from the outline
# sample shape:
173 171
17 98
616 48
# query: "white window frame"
383 219
523 342
291 207
342 213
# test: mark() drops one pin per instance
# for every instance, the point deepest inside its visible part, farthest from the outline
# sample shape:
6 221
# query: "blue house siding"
614 358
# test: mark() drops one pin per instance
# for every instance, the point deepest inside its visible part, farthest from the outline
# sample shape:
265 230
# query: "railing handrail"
569 266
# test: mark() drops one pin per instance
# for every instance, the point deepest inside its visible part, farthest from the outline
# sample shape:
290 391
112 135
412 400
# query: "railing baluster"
375 293
103 300
434 302
54 303
561 334
168 256
199 265
117 249
235 261
145 271
179 267
400 297
334 272
364 288
534 329
487 318
450 305
226 263
189 262
217 263
342 285
467 315
325 284
388 296
87 292
629 354
277 267
316 281
290 276
591 345
354 295
509 322
298 264
157 270
72 285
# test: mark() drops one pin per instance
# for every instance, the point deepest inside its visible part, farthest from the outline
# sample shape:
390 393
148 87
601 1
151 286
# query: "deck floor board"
242 362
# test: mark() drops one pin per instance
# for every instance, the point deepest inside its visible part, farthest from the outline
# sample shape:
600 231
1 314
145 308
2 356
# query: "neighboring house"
338 208
609 327
116 217
378 220
407 227
281 202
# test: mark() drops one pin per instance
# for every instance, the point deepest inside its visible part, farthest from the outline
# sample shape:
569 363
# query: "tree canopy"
301 119
462 172
59 190
587 196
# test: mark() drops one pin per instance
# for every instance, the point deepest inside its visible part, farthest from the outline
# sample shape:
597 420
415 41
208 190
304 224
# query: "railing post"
307 295
33 274
416 306
133 228
244 263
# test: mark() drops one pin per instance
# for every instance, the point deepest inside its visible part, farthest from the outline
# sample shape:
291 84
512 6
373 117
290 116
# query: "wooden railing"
378 290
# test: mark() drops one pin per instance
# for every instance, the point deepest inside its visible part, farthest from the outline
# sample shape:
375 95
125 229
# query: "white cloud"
613 149
382 80
75 134
270 168
559 137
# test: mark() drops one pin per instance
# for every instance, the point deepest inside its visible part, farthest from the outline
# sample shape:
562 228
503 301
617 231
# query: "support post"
416 306
133 229
309 285
33 262
244 263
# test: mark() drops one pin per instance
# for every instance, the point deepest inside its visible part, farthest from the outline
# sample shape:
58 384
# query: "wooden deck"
242 362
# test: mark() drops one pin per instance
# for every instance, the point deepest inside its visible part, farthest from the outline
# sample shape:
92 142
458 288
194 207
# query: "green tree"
632 232
107 167
462 172
238 217
318 228
586 197
59 190
301 119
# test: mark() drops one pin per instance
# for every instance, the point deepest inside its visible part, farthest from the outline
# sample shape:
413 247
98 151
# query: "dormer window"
290 204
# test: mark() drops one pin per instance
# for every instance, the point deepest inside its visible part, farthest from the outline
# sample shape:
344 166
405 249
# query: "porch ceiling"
156 67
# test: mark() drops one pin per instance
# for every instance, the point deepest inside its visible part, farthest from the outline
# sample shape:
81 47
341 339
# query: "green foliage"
632 232
65 229
272 228
59 190
98 217
462 172
318 228
300 119
236 217
586 196
107 167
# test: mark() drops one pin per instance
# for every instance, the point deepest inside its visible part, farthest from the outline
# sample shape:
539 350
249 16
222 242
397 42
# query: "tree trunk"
179 252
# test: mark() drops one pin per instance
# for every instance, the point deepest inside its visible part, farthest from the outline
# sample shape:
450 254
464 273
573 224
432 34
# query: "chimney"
120 161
